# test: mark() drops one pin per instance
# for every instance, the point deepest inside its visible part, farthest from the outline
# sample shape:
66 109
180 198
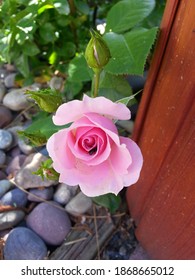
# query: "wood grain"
163 201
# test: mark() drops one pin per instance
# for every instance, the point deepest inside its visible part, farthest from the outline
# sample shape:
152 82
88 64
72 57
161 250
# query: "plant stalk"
96 81
72 24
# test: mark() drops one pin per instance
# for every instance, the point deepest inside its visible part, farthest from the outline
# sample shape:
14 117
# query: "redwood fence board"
163 201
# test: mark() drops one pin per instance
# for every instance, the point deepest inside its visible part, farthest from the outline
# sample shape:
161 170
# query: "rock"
24 176
25 148
43 193
50 223
14 152
3 73
10 80
15 197
10 219
4 234
15 165
44 151
139 254
10 67
5 116
16 99
2 158
64 193
5 186
80 204
2 91
2 175
14 131
5 139
56 83
23 244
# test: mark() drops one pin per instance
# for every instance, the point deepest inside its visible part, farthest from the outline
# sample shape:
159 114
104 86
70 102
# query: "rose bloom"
90 151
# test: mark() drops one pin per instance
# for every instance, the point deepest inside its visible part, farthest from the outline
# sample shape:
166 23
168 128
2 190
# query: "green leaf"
125 100
134 48
47 99
62 7
131 98
53 57
28 13
44 8
114 87
30 48
46 171
154 19
36 138
82 7
78 70
127 13
24 29
110 201
72 89
67 50
23 65
63 20
44 124
4 47
47 32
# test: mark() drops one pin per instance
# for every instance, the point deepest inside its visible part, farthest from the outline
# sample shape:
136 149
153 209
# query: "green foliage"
128 13
130 100
46 171
36 29
36 138
78 70
113 87
43 124
134 47
110 201
47 35
47 99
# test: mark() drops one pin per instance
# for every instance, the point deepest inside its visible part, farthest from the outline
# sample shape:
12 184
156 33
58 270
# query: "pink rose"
90 152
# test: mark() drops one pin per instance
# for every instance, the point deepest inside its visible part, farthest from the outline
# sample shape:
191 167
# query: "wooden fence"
162 203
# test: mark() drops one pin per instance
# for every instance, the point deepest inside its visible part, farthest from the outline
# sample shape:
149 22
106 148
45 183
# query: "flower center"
93 151
89 144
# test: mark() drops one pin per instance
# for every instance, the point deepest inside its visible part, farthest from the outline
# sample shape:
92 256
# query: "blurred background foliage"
48 37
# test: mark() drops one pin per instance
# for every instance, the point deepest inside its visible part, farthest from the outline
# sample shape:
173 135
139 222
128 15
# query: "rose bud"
97 53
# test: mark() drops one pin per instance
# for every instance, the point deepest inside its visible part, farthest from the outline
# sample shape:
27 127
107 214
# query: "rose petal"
120 159
73 110
105 124
81 154
137 162
93 180
59 151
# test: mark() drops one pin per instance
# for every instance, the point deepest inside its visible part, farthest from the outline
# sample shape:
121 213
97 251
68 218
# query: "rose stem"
96 81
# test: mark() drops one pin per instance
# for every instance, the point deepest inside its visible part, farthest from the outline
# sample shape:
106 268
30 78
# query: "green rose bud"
97 53
47 99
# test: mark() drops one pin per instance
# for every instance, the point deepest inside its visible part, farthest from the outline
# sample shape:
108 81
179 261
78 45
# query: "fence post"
162 203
